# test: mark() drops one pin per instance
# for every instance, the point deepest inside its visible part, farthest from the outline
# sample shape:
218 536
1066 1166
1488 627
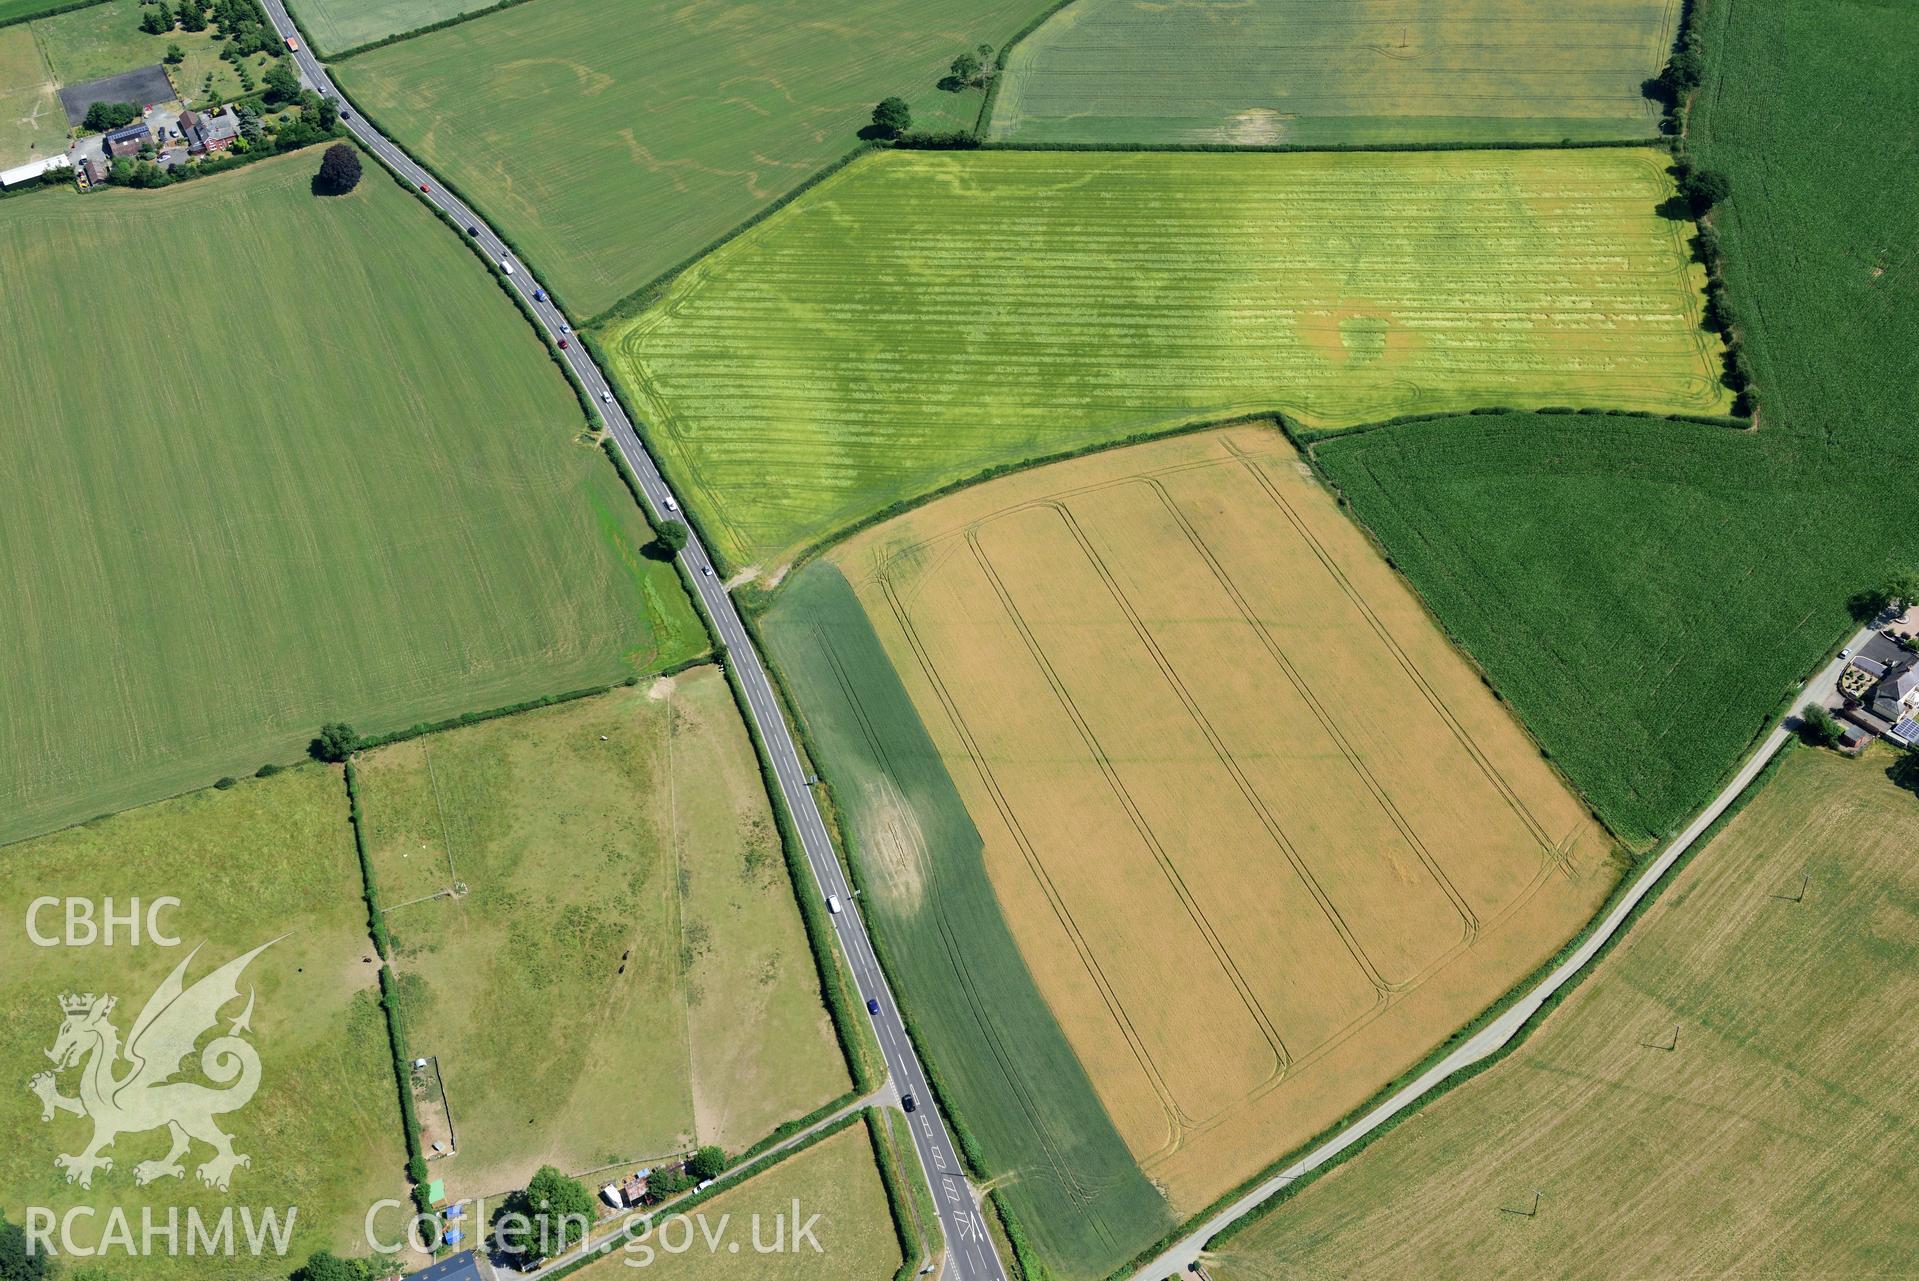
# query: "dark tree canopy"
282 82
102 116
340 168
673 535
707 1163
336 741
559 1210
1817 726
1705 188
17 1261
892 117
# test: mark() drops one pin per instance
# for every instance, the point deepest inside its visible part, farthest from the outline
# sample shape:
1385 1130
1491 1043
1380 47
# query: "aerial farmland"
1338 289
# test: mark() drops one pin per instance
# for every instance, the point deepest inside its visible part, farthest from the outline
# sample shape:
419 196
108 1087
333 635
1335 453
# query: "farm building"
28 172
1897 695
92 173
127 141
466 1266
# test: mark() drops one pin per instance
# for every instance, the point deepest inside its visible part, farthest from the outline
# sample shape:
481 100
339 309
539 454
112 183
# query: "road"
1496 1034
970 1252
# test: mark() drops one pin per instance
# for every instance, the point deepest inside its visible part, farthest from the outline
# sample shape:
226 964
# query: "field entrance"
1262 837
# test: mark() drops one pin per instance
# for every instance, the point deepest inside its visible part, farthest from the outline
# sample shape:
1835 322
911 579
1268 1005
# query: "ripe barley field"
922 316
1321 72
1260 836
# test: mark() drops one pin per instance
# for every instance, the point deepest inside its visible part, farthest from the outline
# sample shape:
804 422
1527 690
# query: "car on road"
562 344
505 266
606 397
872 1006
565 328
424 187
908 1102
832 900
472 231
539 295
293 45
670 504
1844 654
708 571
345 114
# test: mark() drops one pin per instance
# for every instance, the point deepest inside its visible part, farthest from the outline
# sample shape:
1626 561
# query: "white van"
833 904
506 266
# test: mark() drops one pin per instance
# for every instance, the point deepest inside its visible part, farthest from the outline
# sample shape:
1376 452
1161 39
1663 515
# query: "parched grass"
614 140
617 899
1647 594
1776 1138
269 860
279 460
339 25
32 124
834 1179
1261 837
1336 71
922 316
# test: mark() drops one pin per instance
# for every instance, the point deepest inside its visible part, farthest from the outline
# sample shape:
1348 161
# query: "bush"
336 741
225 781
892 117
102 116
268 770
1817 727
707 1163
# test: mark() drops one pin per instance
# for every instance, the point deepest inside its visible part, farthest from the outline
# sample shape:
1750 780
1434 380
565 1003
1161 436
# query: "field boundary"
929 142
369 45
1539 1016
55 11
913 1247
999 64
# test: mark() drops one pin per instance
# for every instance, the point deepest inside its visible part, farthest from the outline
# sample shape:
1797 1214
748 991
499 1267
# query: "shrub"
336 741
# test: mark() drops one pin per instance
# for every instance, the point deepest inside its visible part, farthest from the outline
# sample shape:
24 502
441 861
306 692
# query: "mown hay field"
281 460
323 1132
339 25
1647 594
609 884
1776 1138
1261 837
614 141
922 316
1320 72
835 1179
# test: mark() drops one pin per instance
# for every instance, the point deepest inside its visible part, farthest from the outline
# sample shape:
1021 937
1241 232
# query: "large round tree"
339 169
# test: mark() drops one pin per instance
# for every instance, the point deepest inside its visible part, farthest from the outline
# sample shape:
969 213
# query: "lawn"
1250 887
32 124
835 1179
1646 596
1318 72
1775 1139
614 141
922 316
12 11
323 1131
619 895
105 39
340 25
288 460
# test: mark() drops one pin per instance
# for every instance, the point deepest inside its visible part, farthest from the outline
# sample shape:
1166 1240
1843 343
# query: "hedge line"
999 63
49 12
369 891
1305 437
725 1183
787 1129
644 296
912 1252
428 29
511 709
1564 144
1282 1195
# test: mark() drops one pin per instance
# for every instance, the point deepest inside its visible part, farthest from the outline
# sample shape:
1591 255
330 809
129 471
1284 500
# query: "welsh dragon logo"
130 1089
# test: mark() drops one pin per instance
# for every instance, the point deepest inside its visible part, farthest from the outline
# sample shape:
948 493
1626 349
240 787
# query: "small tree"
329 113
1705 188
282 82
157 20
175 55
1817 727
339 169
672 537
892 117
324 1265
966 68
337 740
558 1211
102 116
19 1261
707 1163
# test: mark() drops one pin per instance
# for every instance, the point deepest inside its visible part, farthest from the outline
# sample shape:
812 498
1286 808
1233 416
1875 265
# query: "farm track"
970 1251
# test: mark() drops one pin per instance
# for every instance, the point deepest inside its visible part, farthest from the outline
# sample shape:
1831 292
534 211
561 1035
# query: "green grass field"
1644 595
323 1131
625 905
105 39
289 460
834 1179
1775 1139
614 141
12 11
1320 72
978 1016
339 25
32 124
922 315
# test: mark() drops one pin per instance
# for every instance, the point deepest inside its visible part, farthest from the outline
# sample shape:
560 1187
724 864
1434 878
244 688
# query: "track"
969 1251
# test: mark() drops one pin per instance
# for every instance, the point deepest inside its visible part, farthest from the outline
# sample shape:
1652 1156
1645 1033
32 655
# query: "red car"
424 187
562 344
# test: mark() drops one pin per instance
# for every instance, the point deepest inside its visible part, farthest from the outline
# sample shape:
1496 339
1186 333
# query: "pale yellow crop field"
1261 835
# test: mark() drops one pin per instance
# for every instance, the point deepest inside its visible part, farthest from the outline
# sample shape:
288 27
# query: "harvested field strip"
921 316
1703 1105
1212 747
1336 71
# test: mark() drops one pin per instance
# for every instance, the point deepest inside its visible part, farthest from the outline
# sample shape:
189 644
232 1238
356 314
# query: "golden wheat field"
1262 836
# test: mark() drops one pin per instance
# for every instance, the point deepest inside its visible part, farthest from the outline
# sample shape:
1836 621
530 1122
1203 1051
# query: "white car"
670 504
606 397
